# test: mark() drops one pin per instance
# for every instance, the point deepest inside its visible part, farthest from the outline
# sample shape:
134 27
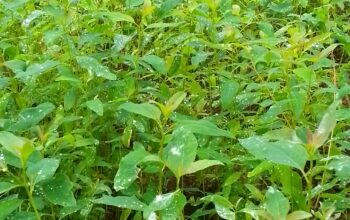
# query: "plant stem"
30 193
309 184
160 154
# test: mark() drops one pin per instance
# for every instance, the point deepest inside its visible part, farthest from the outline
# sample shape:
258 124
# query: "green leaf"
201 165
297 102
174 102
4 101
280 152
160 202
133 3
115 16
308 75
120 41
164 25
122 202
180 152
204 127
263 166
69 99
16 66
35 70
276 204
325 127
167 6
58 190
96 106
7 206
30 117
94 67
18 146
224 212
223 206
341 165
5 187
42 170
156 62
144 109
23 216
228 91
327 51
175 209
255 192
128 170
298 215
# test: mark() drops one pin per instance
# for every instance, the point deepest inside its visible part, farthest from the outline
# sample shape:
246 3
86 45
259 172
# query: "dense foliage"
174 109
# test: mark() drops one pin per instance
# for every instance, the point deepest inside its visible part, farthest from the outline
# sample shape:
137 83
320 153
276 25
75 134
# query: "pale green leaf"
276 204
36 69
42 170
93 66
175 101
96 106
5 187
120 41
18 67
341 165
164 25
115 16
308 75
175 209
201 165
228 90
160 202
124 202
144 109
298 215
280 152
18 146
203 127
156 62
325 127
180 152
69 99
222 205
128 170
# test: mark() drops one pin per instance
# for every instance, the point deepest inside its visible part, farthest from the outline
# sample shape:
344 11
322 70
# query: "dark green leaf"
58 190
30 117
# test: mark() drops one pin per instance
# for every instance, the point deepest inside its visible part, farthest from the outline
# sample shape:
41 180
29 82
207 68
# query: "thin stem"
160 154
29 192
309 184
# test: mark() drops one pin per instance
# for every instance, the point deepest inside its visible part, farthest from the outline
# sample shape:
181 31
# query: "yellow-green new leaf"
144 109
18 146
201 165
